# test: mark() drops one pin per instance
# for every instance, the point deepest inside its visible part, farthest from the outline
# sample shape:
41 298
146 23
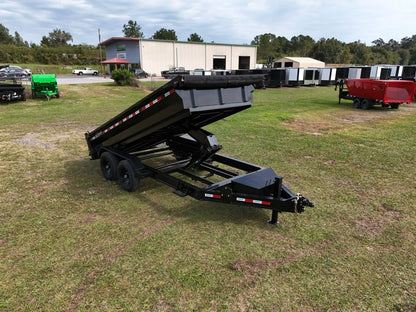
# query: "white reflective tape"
134 114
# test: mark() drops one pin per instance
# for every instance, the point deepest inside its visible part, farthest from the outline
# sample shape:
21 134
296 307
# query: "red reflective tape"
160 98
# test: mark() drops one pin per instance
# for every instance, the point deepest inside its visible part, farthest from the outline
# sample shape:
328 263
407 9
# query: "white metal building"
155 56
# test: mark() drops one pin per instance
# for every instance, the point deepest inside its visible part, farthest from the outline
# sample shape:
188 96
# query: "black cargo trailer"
409 72
162 137
277 78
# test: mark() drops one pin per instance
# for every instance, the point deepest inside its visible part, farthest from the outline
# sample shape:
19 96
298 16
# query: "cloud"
216 20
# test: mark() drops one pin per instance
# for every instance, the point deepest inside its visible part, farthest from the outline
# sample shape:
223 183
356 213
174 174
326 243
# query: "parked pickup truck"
173 72
85 71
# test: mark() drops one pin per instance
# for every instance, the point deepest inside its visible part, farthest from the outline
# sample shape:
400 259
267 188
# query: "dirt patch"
33 140
252 267
47 137
341 119
374 227
370 227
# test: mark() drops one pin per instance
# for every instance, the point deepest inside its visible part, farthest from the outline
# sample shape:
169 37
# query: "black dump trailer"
10 92
162 137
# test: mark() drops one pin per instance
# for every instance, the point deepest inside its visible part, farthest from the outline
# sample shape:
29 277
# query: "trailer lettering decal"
212 195
253 201
141 109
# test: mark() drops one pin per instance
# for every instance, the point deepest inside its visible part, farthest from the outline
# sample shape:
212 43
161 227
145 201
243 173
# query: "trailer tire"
394 105
109 166
357 103
127 177
365 104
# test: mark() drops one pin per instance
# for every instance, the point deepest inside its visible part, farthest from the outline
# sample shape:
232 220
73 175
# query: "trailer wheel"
109 164
357 103
128 179
394 105
365 104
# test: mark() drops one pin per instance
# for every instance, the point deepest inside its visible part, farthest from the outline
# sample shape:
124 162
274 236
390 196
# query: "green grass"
55 69
71 241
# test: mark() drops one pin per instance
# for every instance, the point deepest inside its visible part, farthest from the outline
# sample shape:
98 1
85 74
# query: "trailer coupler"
300 204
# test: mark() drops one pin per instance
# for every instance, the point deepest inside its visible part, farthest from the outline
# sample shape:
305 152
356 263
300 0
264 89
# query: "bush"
121 76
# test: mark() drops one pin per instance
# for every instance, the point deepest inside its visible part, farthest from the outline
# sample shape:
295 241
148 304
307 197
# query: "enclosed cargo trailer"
327 76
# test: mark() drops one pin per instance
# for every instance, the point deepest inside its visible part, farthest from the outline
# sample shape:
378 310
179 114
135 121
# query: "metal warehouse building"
155 56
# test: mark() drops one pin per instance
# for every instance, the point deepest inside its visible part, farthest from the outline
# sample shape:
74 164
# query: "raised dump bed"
368 92
161 136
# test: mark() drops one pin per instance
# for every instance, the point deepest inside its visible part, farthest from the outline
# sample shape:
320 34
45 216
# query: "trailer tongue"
161 137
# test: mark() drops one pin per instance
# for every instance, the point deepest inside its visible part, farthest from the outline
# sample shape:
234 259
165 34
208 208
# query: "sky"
219 21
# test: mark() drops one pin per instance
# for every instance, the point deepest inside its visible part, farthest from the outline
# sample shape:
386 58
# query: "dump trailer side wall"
387 91
173 109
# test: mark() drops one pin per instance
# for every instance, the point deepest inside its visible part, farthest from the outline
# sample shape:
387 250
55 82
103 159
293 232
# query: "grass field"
72 241
56 69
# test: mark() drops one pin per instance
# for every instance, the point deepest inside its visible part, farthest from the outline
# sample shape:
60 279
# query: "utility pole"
101 55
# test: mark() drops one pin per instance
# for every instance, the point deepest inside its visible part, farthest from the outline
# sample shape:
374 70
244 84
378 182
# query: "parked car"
140 73
13 72
29 72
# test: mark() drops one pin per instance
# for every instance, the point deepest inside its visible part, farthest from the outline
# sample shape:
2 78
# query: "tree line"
57 49
53 49
334 51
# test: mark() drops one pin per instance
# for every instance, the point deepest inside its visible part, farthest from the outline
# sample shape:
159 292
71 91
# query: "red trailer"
367 92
